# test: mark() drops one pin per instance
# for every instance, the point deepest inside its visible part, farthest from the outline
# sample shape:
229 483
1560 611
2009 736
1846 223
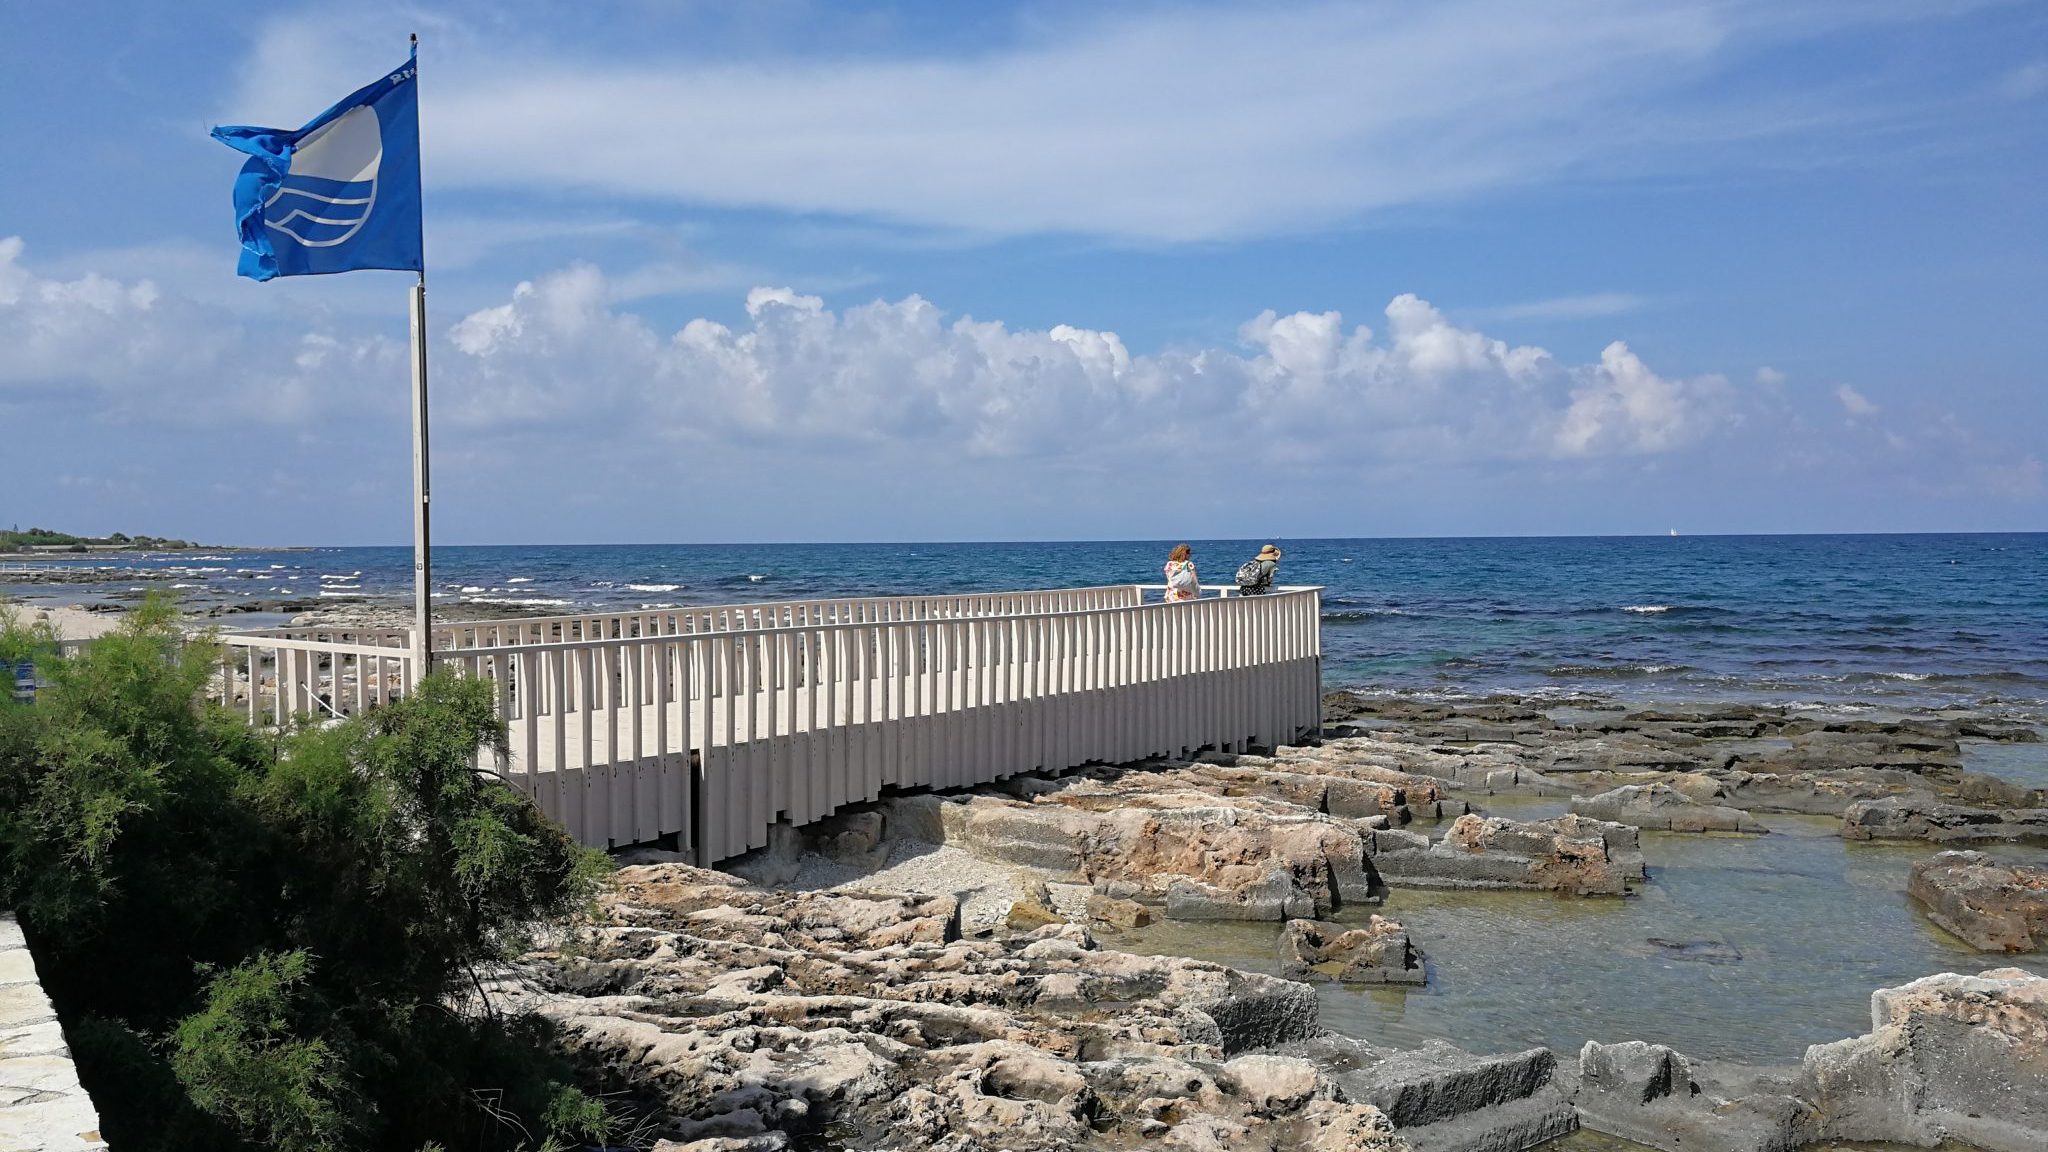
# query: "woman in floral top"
1181 583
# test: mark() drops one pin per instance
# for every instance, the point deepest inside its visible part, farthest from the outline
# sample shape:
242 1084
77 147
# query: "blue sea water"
1905 621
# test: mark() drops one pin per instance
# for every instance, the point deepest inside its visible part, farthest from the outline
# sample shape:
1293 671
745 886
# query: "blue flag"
342 193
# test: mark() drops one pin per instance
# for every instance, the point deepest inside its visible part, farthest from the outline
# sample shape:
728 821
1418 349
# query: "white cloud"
896 375
1854 402
793 393
1770 377
1167 123
1585 307
147 355
1623 406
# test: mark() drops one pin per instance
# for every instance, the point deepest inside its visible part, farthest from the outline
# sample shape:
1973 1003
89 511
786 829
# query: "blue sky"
794 271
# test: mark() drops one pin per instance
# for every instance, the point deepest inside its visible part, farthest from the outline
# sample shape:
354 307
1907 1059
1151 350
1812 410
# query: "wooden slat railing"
709 724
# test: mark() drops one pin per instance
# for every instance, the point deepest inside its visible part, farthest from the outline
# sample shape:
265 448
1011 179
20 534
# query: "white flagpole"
422 561
422 553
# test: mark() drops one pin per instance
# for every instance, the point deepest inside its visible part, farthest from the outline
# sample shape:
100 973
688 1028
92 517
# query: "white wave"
756 579
1646 609
523 601
520 580
468 588
341 591
188 585
654 587
656 607
1905 675
337 576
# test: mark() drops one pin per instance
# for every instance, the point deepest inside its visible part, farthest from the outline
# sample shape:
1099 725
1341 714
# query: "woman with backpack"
1181 583
1255 576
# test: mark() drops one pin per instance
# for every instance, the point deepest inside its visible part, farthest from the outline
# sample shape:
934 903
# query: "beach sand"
72 621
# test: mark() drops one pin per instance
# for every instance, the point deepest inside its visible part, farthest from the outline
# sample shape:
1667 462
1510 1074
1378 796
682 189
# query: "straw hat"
1267 553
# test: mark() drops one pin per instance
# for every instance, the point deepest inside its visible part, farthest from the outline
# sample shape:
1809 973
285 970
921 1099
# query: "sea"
1877 621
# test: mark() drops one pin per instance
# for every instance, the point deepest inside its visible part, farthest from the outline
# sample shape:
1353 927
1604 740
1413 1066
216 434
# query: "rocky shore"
940 971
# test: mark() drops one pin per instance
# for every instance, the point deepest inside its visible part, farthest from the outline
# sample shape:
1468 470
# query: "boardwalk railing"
709 724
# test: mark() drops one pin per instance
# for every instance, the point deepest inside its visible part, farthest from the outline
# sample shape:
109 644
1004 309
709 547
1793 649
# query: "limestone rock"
1120 913
1027 915
1378 953
1921 816
1653 1095
1196 854
1997 907
1443 1099
1661 807
1570 854
761 1020
1271 895
1949 1057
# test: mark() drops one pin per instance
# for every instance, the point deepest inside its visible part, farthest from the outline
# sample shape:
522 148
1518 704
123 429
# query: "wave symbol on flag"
332 186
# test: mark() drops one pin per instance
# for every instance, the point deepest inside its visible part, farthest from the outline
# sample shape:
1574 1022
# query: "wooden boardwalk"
708 725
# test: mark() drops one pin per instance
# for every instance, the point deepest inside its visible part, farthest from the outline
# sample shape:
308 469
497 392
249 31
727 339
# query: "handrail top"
690 609
256 640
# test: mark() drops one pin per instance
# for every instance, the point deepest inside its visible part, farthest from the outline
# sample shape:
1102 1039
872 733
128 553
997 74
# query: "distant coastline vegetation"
15 540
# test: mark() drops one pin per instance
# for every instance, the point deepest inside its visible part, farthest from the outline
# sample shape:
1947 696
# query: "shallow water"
1792 932
2023 764
1588 1141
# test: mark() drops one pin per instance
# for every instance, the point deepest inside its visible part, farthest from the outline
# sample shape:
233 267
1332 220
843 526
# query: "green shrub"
265 941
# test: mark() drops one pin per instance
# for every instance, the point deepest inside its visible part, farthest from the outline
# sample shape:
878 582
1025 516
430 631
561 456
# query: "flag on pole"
339 194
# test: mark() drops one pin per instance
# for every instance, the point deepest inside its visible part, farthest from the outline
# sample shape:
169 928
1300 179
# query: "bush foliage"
267 941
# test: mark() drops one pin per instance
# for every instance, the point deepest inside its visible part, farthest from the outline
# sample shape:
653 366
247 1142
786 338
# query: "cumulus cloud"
902 373
1159 123
145 354
1622 406
780 401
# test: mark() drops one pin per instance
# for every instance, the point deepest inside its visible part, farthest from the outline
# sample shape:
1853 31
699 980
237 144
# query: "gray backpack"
1252 578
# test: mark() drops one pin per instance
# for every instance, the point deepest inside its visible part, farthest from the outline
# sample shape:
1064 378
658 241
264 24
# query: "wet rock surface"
1919 816
1653 1095
1996 906
1752 757
1663 808
1377 953
1569 854
1949 1057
